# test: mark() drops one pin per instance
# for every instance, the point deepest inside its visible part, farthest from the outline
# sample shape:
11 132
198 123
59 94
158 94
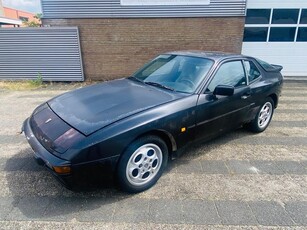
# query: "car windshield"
175 72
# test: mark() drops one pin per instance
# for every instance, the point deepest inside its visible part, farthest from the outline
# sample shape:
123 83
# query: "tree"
38 16
33 23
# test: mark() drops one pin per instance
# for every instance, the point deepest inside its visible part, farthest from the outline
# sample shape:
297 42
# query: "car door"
256 85
215 113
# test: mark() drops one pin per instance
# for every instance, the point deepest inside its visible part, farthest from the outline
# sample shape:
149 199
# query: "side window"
230 73
252 71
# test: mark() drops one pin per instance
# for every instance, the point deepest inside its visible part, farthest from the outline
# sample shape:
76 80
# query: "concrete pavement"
238 181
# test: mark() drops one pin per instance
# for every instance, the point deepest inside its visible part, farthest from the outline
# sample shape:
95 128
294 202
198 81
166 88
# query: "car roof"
214 55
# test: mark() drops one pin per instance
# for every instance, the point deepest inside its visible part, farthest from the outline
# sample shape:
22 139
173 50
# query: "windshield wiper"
158 85
135 78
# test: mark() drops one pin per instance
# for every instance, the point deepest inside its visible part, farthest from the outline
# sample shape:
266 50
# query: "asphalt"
238 181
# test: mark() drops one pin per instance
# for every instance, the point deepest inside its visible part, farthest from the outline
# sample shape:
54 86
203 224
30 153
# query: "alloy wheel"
265 115
144 164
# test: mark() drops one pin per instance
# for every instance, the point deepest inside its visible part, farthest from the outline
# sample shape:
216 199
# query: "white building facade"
276 31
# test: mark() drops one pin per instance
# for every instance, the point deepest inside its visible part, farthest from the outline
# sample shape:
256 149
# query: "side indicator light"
62 169
183 129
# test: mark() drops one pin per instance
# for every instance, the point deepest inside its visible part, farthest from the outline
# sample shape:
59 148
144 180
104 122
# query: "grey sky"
26 5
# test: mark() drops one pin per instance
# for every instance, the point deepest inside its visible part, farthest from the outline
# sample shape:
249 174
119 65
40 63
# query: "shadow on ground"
38 195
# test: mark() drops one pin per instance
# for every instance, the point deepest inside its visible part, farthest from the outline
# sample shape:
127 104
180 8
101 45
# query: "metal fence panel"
114 9
52 52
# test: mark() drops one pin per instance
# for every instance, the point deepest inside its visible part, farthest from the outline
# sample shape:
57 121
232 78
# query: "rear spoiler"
269 67
277 68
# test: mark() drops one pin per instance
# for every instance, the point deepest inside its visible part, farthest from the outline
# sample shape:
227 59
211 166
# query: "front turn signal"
62 169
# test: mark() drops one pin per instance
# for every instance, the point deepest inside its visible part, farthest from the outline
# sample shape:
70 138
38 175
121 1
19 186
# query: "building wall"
29 52
17 14
288 48
114 48
1 9
142 8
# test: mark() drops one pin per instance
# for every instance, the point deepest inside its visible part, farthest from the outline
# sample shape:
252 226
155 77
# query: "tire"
142 164
263 117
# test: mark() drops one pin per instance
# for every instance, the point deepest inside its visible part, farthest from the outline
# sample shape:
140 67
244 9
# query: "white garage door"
276 31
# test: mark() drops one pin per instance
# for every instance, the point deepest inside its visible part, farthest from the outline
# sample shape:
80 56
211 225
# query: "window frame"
271 26
298 33
283 27
248 27
300 19
286 9
218 66
269 10
24 19
256 64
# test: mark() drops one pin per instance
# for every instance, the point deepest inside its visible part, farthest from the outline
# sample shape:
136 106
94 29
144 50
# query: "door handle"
245 96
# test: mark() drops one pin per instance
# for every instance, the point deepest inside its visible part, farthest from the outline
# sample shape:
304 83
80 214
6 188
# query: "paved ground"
238 181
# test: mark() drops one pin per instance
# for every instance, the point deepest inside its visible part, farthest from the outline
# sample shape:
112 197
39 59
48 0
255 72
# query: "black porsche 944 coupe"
137 124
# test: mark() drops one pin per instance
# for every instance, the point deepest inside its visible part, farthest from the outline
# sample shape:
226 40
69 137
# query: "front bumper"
44 157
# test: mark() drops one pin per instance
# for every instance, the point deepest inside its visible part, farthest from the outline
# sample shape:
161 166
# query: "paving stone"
235 213
7 204
290 110
300 124
273 140
166 211
185 166
304 164
132 211
241 167
292 167
11 139
23 184
267 167
97 209
286 101
200 212
31 165
46 96
214 167
270 213
11 164
29 208
19 164
63 208
298 211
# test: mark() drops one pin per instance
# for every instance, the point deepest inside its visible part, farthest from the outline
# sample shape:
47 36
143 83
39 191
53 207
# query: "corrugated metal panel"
53 52
113 9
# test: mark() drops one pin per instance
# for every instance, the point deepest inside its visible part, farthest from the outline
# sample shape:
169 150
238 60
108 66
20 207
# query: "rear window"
265 65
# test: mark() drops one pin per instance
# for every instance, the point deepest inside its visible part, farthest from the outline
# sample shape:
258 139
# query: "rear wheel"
142 164
263 117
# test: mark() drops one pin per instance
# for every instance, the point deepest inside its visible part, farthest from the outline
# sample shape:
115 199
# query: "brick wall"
114 48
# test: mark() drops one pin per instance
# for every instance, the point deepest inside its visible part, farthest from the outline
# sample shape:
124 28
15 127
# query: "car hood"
91 108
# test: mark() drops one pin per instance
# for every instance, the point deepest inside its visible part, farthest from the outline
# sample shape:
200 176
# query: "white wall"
291 55
276 4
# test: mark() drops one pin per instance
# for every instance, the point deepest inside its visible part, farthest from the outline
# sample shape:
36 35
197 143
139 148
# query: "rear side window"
252 71
230 73
265 65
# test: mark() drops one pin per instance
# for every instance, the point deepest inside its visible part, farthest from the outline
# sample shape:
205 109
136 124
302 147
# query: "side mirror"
224 90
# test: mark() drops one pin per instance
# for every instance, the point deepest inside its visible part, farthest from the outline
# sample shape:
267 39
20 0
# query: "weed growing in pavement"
38 81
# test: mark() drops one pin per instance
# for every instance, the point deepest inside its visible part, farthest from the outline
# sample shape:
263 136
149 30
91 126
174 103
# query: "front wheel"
142 164
263 117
